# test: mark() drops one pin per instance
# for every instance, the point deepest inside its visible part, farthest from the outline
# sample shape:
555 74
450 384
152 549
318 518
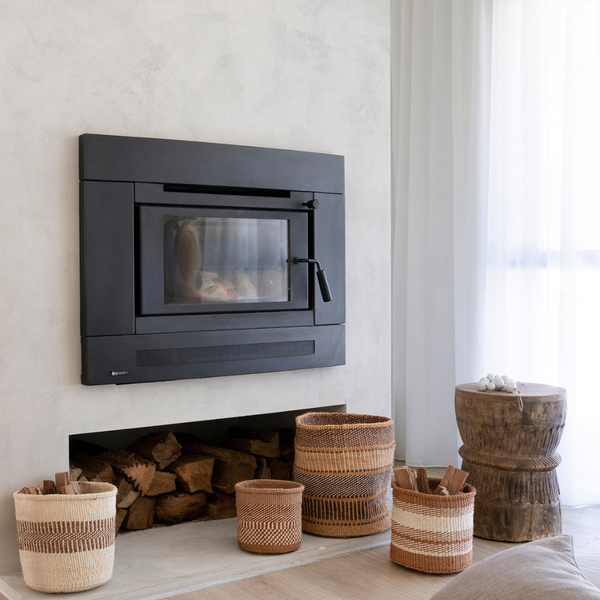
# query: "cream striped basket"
269 515
430 533
67 542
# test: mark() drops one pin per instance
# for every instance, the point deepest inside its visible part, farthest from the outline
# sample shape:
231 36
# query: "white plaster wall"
307 75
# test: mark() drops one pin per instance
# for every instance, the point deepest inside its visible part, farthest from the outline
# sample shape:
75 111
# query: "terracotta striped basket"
67 542
269 515
433 534
344 461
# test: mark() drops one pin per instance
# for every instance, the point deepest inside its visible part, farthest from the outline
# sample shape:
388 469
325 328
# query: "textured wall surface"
307 75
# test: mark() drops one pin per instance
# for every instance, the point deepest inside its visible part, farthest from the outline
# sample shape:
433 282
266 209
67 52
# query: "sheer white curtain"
496 157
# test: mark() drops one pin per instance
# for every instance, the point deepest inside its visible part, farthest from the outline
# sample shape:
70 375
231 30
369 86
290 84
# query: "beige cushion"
541 570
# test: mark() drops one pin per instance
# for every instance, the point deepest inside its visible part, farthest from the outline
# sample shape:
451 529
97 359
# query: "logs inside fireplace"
165 478
201 260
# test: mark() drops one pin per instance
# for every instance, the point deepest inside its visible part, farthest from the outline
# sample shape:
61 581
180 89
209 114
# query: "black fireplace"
201 260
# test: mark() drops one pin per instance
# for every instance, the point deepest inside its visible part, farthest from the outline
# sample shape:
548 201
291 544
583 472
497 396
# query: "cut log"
280 469
120 517
61 479
49 487
93 468
34 490
194 472
261 443
140 514
422 482
454 480
163 483
221 506
262 470
72 488
136 469
440 490
230 466
405 478
179 506
126 495
74 473
161 447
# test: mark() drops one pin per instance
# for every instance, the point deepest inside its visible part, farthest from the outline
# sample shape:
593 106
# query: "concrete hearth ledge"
162 562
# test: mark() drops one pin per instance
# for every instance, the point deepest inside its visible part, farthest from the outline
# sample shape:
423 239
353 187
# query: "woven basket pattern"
269 515
66 542
433 534
344 461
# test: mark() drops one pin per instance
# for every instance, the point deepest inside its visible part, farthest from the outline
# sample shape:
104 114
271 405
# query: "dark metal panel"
330 250
259 320
148 160
115 359
154 193
106 258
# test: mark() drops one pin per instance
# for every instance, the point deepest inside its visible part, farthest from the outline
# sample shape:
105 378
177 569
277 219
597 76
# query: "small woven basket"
344 461
269 515
430 533
67 542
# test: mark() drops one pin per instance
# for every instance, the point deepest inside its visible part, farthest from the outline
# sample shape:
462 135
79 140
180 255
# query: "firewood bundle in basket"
452 482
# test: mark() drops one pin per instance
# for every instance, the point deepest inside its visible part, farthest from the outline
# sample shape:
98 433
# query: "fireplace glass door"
205 260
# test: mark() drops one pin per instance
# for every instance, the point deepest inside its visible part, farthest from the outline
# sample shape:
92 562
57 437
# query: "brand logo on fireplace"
117 373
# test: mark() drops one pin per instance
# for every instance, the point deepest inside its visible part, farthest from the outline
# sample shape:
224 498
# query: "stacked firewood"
452 482
166 478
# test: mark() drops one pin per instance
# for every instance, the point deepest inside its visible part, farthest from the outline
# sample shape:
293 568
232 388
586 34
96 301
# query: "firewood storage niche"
202 260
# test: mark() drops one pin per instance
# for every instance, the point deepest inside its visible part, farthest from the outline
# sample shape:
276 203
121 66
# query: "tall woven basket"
430 533
67 542
269 514
344 461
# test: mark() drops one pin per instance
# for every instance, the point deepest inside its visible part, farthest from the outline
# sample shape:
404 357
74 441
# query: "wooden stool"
511 460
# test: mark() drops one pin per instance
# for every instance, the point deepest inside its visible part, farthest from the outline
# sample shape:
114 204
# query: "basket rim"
85 496
383 421
257 486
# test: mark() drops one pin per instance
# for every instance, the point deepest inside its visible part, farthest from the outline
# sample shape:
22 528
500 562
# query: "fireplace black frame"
120 175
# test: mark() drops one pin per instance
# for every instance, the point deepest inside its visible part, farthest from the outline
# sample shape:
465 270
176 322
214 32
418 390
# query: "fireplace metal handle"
314 204
321 277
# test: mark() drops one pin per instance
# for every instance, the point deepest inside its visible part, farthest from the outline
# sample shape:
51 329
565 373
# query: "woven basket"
430 533
344 461
269 515
67 542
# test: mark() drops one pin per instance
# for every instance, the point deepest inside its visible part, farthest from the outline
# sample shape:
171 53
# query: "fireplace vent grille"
214 354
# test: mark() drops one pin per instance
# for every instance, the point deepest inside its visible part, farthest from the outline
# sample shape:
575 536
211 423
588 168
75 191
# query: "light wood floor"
361 576
372 575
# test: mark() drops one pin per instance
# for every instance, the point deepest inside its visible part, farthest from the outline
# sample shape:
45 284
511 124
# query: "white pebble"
505 378
482 385
485 380
491 386
491 376
510 387
499 382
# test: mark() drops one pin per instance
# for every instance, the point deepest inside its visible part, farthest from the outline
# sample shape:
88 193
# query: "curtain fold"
496 181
